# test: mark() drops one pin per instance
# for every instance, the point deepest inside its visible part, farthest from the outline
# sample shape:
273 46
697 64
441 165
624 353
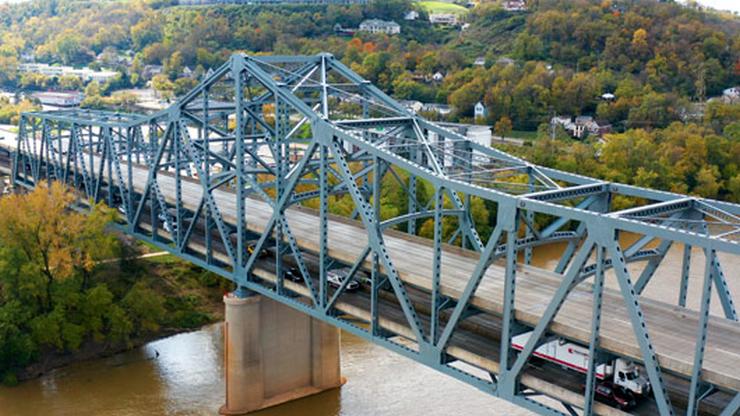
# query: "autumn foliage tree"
51 297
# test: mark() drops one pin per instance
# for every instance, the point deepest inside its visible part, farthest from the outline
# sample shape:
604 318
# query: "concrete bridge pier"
274 354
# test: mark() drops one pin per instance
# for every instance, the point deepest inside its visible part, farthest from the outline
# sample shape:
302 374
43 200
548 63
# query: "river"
183 375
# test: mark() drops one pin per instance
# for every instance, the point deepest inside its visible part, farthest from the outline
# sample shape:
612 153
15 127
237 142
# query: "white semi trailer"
618 381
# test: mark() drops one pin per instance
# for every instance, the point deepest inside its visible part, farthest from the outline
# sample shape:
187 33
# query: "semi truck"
618 381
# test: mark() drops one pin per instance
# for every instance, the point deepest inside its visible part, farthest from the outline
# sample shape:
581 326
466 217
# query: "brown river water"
186 378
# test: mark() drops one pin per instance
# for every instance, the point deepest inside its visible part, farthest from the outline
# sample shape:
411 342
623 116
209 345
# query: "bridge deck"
671 328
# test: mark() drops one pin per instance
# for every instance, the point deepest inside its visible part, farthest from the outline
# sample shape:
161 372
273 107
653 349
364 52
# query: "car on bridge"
252 246
336 278
614 396
294 275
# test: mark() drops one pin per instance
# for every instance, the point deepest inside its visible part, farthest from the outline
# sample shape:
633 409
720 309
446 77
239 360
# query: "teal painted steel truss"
287 134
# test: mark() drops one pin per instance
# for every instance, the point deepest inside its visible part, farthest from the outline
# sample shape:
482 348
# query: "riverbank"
191 296
90 350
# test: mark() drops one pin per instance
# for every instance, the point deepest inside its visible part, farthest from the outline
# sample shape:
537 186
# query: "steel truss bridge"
262 151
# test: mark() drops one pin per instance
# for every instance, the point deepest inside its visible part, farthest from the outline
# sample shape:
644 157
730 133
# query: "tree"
10 113
174 65
163 86
640 42
48 256
70 82
70 47
707 184
93 89
145 307
528 47
8 69
503 126
49 243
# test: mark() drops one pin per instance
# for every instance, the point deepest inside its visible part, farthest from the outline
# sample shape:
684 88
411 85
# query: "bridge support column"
274 354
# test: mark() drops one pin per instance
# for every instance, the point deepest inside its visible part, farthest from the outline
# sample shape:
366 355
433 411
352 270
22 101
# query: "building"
608 96
731 94
380 26
443 19
480 61
341 31
59 99
151 71
515 5
441 109
473 132
581 125
480 110
187 72
411 15
438 77
10 96
111 58
505 61
413 105
85 74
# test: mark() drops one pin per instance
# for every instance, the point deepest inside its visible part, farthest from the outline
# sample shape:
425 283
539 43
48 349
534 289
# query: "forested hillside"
659 61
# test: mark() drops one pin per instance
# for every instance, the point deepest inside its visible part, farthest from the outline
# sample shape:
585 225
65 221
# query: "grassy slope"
442 7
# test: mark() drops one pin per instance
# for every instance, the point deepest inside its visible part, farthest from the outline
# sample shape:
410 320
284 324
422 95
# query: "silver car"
337 276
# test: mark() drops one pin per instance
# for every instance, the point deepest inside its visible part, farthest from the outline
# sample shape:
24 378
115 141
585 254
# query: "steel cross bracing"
270 152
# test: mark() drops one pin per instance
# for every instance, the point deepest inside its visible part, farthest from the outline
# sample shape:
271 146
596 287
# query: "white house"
731 94
480 61
515 5
480 110
581 125
438 77
59 99
380 26
186 72
443 19
411 15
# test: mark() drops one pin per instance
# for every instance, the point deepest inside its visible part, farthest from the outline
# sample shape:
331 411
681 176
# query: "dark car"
294 275
615 396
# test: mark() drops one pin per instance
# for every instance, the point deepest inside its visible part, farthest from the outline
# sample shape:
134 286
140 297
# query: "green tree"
70 82
144 307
